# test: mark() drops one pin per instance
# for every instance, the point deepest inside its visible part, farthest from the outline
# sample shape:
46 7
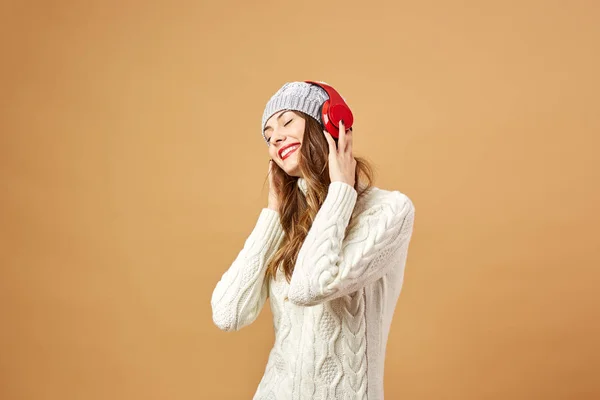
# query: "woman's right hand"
273 202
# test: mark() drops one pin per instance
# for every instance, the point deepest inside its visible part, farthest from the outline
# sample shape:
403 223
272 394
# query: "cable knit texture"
332 320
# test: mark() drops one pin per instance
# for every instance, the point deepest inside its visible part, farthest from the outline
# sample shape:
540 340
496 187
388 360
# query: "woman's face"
284 132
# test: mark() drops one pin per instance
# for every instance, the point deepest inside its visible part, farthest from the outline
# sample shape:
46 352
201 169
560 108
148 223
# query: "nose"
277 137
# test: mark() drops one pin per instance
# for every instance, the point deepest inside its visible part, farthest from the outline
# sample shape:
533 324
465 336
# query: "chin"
295 171
292 170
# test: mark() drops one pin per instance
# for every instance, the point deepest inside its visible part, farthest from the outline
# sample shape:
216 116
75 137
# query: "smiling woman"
329 252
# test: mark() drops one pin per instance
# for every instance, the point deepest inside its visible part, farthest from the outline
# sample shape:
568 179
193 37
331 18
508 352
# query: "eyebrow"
280 115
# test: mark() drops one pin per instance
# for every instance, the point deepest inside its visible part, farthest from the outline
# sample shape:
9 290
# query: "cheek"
300 133
273 155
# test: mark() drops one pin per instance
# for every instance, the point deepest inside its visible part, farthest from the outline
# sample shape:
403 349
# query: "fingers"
349 136
273 180
329 138
345 138
271 171
342 136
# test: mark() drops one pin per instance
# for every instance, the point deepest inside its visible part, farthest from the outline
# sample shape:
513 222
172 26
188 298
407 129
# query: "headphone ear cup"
341 112
329 127
333 110
332 115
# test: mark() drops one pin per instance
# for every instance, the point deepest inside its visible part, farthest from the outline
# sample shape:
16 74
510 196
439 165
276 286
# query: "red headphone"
334 110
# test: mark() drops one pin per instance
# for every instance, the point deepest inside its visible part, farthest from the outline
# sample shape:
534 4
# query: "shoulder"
381 214
376 199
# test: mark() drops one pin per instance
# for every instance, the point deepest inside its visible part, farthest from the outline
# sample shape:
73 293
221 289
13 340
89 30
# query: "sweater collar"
302 185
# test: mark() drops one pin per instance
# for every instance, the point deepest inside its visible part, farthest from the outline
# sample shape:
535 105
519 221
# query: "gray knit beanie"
299 96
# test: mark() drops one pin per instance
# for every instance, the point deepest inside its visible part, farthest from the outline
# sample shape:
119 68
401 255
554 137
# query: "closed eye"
286 124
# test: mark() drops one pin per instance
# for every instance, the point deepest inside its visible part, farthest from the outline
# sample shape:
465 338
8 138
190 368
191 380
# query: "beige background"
132 169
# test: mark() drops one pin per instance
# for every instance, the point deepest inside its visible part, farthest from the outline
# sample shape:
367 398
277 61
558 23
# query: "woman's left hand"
342 165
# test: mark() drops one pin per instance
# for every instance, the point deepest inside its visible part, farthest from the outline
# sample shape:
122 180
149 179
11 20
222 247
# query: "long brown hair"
297 211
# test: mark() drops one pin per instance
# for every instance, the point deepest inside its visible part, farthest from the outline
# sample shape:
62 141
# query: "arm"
330 266
242 290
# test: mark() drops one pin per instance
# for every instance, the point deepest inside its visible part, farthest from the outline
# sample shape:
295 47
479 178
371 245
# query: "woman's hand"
273 202
342 165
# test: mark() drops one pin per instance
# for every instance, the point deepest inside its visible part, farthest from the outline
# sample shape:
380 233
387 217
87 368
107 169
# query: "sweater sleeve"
329 265
241 292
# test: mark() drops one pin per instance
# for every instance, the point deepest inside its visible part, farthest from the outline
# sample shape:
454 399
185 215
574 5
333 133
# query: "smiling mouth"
286 153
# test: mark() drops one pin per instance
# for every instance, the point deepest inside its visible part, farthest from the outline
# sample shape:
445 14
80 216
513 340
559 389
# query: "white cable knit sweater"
332 321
